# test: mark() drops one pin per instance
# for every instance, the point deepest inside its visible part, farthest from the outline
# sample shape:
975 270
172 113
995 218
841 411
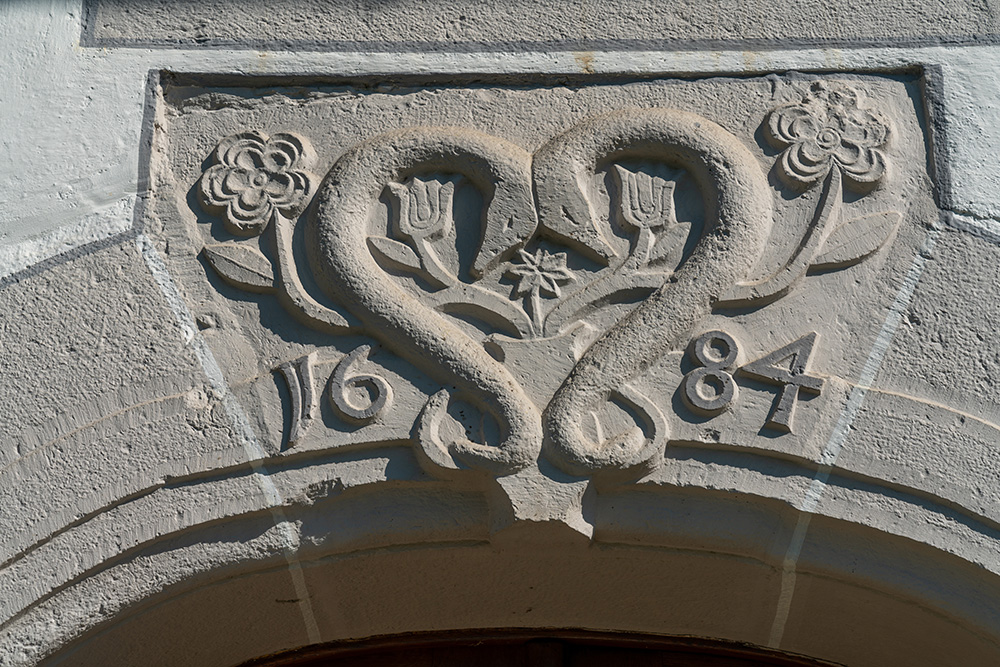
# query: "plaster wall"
150 486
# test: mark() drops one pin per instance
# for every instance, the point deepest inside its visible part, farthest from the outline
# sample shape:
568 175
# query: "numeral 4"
786 368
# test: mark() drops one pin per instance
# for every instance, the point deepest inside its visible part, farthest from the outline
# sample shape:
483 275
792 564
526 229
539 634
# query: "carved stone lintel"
548 261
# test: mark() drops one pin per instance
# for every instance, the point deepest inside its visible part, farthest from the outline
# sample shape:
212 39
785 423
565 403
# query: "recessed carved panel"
571 280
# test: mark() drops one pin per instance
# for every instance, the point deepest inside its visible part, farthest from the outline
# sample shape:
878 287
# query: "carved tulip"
646 202
424 208
253 177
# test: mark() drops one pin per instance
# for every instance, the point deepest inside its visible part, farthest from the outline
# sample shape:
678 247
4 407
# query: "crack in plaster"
841 432
252 448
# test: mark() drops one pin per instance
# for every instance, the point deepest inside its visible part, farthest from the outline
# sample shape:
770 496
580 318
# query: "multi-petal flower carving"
828 129
253 177
541 272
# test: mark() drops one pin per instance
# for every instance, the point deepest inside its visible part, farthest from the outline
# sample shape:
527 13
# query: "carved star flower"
540 272
253 177
828 129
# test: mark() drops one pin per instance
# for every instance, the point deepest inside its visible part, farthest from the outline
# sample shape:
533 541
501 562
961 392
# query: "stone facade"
338 325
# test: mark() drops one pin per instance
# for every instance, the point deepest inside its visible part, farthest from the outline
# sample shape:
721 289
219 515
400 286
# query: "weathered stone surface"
390 354
488 289
104 399
538 23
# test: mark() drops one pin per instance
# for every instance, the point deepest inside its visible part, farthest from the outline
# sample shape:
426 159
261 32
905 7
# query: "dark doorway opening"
533 648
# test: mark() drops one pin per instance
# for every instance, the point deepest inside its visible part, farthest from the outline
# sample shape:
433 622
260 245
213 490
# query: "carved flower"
424 208
541 272
254 176
828 129
646 201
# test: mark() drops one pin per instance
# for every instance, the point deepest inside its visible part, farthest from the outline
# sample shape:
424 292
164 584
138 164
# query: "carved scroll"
346 270
730 175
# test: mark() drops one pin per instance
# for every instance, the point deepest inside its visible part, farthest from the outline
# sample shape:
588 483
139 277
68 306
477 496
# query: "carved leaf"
669 248
241 266
855 239
397 254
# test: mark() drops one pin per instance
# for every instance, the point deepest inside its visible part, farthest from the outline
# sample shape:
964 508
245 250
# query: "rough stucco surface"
352 406
373 24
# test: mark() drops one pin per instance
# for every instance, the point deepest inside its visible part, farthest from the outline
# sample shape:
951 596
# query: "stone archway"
510 366
224 592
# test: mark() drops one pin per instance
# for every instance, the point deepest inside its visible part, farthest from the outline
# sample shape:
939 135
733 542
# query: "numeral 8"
711 389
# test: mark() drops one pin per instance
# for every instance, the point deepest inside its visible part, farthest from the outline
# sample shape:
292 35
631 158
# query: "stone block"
538 24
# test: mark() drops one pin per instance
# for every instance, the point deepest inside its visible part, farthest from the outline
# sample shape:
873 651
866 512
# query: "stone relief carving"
791 377
826 136
341 388
494 262
302 391
253 177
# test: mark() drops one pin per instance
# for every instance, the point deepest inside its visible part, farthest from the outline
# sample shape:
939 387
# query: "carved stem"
566 310
536 307
638 258
736 195
483 305
292 294
826 217
431 263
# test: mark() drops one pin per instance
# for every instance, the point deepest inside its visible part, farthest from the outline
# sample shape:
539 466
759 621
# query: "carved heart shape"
737 204
344 267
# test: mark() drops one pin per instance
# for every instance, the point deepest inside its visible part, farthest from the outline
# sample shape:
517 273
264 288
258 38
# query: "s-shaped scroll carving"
737 199
336 236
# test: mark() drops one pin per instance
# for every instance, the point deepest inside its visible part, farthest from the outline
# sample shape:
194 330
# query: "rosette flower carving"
537 274
828 129
826 136
253 177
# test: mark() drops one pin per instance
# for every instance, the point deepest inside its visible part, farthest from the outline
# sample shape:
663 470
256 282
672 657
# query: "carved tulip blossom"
827 129
424 207
646 201
253 177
